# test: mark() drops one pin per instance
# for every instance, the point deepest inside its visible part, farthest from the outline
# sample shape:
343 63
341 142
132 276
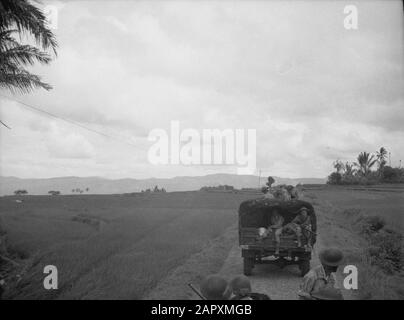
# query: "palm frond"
371 162
25 54
22 81
23 17
27 18
6 34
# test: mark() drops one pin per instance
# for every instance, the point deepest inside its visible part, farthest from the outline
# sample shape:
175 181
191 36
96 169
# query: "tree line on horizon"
367 169
21 192
156 189
218 188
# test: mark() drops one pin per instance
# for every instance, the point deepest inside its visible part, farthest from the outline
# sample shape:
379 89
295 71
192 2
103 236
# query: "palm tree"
349 169
338 165
381 156
365 162
20 17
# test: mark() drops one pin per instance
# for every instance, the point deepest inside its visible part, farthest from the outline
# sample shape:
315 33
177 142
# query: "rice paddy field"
386 201
124 246
110 246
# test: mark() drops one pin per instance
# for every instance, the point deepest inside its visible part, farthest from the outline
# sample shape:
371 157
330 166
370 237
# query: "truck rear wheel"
248 266
304 267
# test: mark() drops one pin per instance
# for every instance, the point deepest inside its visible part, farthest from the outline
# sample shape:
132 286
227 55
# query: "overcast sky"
314 91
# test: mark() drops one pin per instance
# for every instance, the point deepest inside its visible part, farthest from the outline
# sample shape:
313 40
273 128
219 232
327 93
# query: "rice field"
110 246
124 246
386 201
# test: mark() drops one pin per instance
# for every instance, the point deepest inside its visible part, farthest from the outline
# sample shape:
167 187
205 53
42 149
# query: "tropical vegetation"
367 169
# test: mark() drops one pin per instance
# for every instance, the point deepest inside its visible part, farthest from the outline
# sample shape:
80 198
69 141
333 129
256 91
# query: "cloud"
312 90
68 145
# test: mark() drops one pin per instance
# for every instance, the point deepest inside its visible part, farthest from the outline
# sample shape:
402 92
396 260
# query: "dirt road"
279 284
283 284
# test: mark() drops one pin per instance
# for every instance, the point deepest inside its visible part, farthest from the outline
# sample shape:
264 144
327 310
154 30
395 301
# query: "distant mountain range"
97 185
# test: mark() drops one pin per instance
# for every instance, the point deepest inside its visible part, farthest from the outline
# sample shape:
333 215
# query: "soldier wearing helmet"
322 278
215 287
240 287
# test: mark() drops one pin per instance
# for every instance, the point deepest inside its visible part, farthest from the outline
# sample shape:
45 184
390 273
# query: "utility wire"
4 124
66 120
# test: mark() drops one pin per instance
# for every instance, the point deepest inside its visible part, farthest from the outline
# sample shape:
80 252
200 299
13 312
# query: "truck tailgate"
249 236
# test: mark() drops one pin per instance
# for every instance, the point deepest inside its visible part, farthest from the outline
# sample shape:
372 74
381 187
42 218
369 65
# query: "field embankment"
367 224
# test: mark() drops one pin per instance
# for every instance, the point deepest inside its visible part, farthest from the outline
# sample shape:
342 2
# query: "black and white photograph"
226 150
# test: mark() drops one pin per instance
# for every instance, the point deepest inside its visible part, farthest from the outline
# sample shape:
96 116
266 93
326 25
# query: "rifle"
196 291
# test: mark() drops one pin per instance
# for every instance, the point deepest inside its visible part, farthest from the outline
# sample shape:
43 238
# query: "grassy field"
111 246
348 216
124 246
386 201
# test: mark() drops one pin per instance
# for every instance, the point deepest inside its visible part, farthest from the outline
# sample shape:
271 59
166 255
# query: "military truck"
255 214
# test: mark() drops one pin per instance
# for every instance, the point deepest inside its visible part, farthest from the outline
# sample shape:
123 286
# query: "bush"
385 246
334 178
349 179
372 224
385 250
394 175
20 192
370 179
217 188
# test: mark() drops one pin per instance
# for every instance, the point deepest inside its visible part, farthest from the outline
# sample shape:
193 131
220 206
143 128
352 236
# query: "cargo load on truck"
255 215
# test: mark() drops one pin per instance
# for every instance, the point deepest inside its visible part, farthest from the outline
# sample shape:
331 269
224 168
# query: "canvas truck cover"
256 213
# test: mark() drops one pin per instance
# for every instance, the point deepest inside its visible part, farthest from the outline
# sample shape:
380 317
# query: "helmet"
214 287
240 285
331 257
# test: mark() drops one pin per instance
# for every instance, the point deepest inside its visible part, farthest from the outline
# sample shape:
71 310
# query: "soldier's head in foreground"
215 287
240 286
331 259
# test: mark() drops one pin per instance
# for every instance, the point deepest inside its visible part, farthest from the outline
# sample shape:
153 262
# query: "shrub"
385 250
373 224
349 179
394 175
385 246
371 178
20 192
334 178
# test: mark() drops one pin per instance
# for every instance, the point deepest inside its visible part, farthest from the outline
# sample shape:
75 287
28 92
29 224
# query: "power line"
66 120
4 124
